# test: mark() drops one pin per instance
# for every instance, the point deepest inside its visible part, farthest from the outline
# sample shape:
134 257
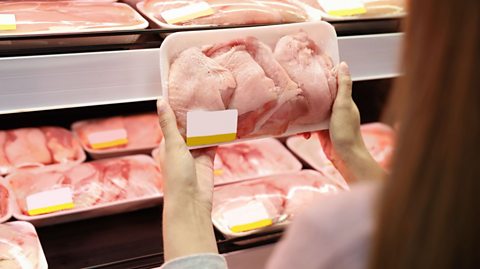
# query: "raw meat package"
5 203
267 203
20 247
197 13
371 9
250 159
26 147
120 135
96 188
250 82
379 139
69 17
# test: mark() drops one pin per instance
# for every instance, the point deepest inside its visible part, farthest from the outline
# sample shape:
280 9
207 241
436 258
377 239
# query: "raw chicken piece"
234 12
4 163
198 82
61 144
27 146
4 201
92 183
20 247
60 16
312 70
143 130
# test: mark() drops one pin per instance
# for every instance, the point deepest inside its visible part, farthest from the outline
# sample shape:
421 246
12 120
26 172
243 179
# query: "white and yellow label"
343 8
50 201
249 217
186 13
8 22
108 139
211 127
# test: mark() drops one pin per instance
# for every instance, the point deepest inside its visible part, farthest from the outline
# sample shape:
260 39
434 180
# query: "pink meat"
312 70
19 246
380 142
234 12
4 198
62 16
198 82
143 130
4 163
61 144
27 146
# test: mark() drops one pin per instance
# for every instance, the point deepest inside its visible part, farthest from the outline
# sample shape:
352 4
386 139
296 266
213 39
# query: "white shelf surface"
47 82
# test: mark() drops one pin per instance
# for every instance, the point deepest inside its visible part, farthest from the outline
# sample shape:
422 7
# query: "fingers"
168 124
344 81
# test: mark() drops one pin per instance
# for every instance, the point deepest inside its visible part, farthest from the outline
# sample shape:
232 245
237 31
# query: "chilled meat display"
141 132
275 198
229 12
36 147
38 17
92 183
20 247
378 138
291 86
4 202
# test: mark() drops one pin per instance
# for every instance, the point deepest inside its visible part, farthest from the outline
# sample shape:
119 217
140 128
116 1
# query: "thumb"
344 81
168 124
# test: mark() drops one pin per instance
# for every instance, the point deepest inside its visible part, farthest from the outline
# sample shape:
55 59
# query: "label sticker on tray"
8 22
50 201
108 139
252 216
186 13
211 127
343 8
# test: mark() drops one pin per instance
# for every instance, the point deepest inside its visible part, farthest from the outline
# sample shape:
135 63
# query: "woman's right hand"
343 143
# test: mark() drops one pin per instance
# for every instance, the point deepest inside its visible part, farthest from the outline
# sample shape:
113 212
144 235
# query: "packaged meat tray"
187 14
251 159
85 190
267 203
5 202
20 247
27 147
116 136
68 17
248 83
379 139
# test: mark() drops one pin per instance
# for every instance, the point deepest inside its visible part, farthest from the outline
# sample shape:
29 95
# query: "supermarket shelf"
47 82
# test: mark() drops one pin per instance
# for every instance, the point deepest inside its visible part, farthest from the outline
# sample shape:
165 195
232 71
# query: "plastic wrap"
278 79
20 247
47 17
5 202
107 186
379 140
142 131
27 147
267 203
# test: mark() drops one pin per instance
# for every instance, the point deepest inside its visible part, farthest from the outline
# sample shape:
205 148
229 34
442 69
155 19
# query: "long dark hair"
429 215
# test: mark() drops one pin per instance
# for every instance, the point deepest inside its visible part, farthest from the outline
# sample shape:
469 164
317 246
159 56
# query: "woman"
426 213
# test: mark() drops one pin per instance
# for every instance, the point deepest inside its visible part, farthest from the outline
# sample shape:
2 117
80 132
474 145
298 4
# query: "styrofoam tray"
278 226
9 212
31 230
106 209
317 31
312 13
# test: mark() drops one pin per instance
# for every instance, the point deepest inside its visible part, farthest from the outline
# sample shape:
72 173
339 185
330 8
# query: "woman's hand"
188 191
343 143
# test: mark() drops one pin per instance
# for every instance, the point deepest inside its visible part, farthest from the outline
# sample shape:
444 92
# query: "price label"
343 8
8 22
211 127
49 201
186 13
108 139
249 217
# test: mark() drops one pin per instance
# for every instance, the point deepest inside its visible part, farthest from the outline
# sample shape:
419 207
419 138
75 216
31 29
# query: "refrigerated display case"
63 78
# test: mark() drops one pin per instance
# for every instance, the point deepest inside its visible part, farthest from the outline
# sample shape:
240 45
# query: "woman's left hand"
188 191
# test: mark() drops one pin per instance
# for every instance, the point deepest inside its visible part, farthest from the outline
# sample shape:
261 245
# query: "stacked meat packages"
20 247
28 147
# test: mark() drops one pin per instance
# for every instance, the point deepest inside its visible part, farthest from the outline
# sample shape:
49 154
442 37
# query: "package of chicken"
6 199
24 18
244 83
20 247
378 138
64 193
268 203
36 147
117 136
241 161
191 14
